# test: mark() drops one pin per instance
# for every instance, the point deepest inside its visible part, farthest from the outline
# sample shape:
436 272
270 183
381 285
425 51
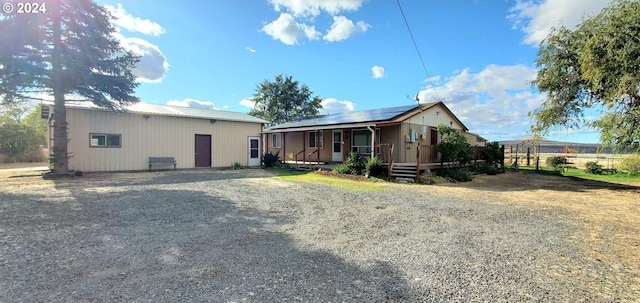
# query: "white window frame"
94 141
276 140
358 148
312 143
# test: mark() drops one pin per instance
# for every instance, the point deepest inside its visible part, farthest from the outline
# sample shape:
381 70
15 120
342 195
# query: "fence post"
418 161
528 155
502 158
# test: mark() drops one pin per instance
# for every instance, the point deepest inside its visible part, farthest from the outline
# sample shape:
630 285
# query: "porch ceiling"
319 127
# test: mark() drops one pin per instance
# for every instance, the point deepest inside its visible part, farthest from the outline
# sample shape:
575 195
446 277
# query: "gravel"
243 236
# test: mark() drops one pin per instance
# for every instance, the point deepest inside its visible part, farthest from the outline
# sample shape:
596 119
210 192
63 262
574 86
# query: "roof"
363 116
174 111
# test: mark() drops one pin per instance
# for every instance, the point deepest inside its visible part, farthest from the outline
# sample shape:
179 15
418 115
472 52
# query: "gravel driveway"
243 236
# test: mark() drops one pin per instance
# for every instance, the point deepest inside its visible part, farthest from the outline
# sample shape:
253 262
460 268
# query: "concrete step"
396 175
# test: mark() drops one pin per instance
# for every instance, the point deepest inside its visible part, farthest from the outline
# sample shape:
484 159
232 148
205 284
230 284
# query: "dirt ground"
607 215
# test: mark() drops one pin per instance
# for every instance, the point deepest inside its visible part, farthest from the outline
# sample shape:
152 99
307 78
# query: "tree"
454 146
284 100
67 48
593 66
17 139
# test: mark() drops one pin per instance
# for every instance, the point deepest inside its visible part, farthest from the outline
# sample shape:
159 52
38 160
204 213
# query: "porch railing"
429 154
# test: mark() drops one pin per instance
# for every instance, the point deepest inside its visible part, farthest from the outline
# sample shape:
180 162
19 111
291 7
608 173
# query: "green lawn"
316 178
581 174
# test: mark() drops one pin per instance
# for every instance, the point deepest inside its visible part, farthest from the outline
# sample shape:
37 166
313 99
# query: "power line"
417 50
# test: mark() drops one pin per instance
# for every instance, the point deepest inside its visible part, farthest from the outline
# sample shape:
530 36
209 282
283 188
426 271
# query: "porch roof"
345 119
319 127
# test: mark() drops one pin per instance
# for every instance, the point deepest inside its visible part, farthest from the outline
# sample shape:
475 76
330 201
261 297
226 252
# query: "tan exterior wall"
434 116
155 136
295 142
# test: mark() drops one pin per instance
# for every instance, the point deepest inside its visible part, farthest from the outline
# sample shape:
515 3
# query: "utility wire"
417 50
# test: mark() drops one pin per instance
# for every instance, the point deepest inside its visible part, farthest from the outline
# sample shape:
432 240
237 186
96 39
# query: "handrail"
390 168
311 153
418 161
296 156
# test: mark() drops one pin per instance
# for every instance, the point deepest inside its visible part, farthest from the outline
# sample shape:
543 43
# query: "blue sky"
355 54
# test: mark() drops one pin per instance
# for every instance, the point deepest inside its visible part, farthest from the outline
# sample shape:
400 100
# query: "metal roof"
372 115
175 111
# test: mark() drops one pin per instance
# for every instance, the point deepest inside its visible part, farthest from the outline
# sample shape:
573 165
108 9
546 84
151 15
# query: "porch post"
284 151
373 140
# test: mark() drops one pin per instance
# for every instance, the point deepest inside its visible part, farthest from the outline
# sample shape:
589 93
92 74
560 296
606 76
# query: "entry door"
254 151
336 154
432 148
203 150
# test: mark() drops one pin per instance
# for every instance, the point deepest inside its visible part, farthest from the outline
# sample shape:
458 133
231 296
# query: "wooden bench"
162 162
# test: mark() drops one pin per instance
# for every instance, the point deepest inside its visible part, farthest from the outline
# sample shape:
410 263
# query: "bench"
163 162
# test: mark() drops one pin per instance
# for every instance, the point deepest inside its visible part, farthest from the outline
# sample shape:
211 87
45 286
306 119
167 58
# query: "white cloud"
377 72
536 18
134 24
495 101
288 31
332 105
248 103
342 28
193 103
312 8
152 66
251 50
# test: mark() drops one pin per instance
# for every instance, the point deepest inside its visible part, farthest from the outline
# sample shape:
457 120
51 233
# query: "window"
105 140
361 139
276 140
315 139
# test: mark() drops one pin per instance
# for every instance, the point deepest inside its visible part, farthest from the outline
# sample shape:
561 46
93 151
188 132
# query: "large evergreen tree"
284 100
66 48
594 66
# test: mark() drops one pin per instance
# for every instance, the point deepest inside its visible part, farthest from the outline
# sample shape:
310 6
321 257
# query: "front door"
254 151
203 150
434 143
336 153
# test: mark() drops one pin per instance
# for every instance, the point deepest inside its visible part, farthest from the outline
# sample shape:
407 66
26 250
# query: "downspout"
373 140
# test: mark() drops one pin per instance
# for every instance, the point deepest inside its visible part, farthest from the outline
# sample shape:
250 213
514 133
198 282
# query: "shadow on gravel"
525 181
168 246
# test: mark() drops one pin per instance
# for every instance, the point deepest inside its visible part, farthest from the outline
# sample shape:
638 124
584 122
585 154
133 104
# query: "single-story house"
125 140
394 134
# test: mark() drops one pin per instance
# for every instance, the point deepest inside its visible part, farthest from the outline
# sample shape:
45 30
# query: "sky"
478 56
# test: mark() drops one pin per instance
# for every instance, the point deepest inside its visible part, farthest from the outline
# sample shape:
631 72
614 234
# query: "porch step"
403 170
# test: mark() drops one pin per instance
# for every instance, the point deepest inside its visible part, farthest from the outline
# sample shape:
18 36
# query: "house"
396 135
104 140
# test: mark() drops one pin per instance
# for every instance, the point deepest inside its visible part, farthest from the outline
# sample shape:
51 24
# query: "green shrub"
270 159
355 163
491 170
373 167
456 174
593 168
492 154
236 165
630 164
342 169
556 162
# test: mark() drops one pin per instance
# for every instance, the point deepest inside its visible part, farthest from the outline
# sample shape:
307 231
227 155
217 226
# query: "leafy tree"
492 154
66 50
594 66
284 100
33 120
454 146
17 139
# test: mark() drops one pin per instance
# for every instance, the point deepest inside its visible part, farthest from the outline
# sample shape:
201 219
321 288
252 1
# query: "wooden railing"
429 154
390 159
311 153
382 151
297 154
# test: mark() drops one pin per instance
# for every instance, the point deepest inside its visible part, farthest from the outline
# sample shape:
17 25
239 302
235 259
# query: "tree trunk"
61 157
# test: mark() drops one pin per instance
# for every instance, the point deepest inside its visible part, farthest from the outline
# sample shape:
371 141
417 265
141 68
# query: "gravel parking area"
243 236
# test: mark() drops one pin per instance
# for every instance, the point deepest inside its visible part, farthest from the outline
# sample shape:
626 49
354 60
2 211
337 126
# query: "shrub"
630 164
355 163
456 174
491 170
373 167
236 165
593 168
270 159
342 169
492 154
556 162
35 156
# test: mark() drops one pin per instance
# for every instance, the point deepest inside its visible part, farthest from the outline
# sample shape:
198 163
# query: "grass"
581 174
316 178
